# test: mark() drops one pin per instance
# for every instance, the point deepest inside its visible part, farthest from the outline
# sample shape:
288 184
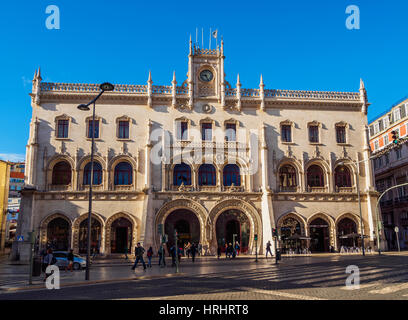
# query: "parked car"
62 260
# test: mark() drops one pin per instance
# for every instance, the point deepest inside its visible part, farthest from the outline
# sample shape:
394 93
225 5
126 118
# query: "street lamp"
106 86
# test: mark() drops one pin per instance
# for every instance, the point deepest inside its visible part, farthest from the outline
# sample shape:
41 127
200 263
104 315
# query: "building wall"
152 197
4 188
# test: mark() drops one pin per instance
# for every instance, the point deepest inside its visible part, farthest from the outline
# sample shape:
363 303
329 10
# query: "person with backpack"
48 260
139 251
149 257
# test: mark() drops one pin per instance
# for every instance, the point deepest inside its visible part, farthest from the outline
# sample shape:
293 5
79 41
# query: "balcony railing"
317 189
289 189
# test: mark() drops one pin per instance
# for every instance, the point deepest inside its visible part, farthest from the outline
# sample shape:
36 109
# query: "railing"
162 89
317 189
208 188
231 92
210 144
288 189
299 94
205 51
233 188
85 88
250 92
344 189
56 187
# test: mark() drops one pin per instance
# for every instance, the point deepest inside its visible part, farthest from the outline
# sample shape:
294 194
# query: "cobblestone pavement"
382 277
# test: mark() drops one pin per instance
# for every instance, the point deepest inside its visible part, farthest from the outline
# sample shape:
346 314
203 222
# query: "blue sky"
294 44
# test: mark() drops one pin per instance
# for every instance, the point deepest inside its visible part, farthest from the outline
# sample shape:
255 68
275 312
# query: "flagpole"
196 36
202 38
210 40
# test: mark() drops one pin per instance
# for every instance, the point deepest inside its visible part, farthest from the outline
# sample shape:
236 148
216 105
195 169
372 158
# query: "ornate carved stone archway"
298 218
351 216
44 226
188 204
242 206
108 226
75 231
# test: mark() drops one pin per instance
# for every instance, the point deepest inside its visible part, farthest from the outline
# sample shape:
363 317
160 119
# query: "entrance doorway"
96 232
347 227
187 225
58 234
233 225
121 236
319 233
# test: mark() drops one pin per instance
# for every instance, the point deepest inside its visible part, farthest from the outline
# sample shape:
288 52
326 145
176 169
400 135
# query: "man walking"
193 251
161 254
268 249
70 258
139 251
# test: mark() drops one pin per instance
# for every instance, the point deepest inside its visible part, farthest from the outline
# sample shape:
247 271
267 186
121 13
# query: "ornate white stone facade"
151 197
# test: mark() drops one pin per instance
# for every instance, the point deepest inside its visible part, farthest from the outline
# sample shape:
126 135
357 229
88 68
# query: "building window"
182 174
380 162
123 129
123 174
93 128
97 174
287 177
376 145
231 175
387 158
206 175
230 132
206 131
341 134
397 114
61 173
62 129
286 133
182 131
342 177
398 153
314 134
386 139
315 176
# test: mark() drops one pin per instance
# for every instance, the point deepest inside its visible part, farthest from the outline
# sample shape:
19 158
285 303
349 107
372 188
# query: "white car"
62 260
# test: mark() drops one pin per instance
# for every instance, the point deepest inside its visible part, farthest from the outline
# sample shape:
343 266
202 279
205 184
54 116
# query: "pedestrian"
139 251
173 254
237 248
70 258
149 257
268 249
48 260
219 252
180 251
200 249
193 251
161 254
230 250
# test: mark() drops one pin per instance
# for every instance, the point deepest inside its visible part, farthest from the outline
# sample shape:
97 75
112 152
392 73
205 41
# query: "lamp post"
106 86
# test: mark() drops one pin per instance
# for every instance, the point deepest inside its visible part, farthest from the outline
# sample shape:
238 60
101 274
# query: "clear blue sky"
294 44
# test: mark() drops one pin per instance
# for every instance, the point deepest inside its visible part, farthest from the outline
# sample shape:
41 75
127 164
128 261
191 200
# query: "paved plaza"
323 277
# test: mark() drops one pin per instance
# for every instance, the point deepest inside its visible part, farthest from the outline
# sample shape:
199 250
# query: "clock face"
206 75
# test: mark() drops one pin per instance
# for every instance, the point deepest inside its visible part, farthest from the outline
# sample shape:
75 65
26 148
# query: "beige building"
4 191
216 162
390 162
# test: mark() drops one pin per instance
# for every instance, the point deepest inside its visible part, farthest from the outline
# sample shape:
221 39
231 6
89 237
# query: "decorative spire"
39 73
174 77
261 83
150 77
362 84
35 74
191 45
238 82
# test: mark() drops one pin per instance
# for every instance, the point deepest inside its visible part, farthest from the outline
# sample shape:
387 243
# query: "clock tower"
206 74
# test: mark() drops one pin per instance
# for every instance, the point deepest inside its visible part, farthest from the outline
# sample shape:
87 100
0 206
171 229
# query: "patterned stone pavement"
382 277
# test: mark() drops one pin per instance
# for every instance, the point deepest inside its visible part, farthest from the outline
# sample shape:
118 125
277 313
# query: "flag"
214 34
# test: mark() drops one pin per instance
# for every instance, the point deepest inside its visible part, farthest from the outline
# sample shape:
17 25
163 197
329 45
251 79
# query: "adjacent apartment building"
210 159
4 191
390 162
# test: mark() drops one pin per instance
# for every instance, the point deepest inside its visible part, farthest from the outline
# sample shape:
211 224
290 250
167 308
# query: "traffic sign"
20 238
396 229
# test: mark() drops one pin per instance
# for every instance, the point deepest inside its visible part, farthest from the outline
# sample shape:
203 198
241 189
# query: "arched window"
342 177
123 174
315 176
97 174
231 175
182 174
61 173
206 175
287 177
